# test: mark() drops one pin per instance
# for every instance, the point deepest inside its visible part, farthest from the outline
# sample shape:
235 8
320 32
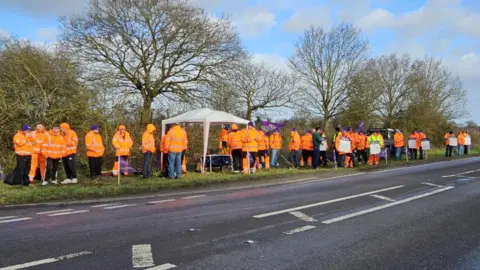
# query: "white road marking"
447 176
382 197
296 182
162 201
120 206
301 229
370 210
55 211
69 213
193 197
467 172
45 261
14 220
325 202
142 256
8 217
104 205
161 267
478 170
432 184
303 217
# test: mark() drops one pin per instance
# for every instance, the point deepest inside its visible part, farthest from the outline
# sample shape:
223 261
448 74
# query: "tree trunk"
249 114
146 111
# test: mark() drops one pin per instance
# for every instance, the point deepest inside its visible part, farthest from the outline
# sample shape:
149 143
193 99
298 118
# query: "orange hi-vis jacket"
185 142
421 136
71 139
23 144
294 141
276 141
94 144
306 142
148 141
223 138
163 149
250 140
235 140
398 140
415 137
176 140
461 138
122 144
54 146
37 139
361 142
262 141
351 136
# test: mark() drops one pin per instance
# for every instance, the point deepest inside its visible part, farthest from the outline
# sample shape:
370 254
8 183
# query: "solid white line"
142 256
45 261
69 213
478 170
162 201
103 205
161 267
325 202
467 172
193 197
119 206
8 217
303 217
301 229
14 220
432 184
370 210
447 176
55 211
382 197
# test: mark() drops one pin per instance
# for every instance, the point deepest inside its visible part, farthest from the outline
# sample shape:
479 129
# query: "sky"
446 29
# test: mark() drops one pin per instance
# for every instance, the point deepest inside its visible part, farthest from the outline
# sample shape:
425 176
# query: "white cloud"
254 21
271 60
44 8
4 33
377 17
48 34
306 17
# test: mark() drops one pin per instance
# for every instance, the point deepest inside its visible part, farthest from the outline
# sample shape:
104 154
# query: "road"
422 217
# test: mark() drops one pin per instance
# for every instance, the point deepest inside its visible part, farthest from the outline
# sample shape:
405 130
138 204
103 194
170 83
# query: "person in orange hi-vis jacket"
448 149
123 143
306 145
421 136
345 157
38 160
69 160
148 149
262 157
23 151
54 149
276 143
235 145
361 144
95 151
414 137
249 148
223 141
294 147
399 144
461 143
175 141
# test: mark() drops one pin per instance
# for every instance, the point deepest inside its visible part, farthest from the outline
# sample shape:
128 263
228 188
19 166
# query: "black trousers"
448 151
306 154
147 164
22 170
295 158
466 149
165 165
323 155
262 155
237 160
52 169
70 166
362 155
95 165
421 153
315 157
253 156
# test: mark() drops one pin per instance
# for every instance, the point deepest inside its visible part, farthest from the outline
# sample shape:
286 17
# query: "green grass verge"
107 186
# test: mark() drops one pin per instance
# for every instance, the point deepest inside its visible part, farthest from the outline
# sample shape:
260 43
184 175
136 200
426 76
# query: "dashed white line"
382 197
45 261
370 210
447 176
104 205
119 206
193 197
303 217
8 217
301 229
432 184
161 267
142 256
14 220
325 202
162 201
55 211
467 172
69 213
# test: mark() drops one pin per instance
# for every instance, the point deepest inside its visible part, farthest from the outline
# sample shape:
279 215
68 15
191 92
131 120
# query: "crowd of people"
250 149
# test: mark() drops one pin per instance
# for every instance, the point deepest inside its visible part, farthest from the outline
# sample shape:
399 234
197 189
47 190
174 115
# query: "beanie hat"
94 127
25 127
250 124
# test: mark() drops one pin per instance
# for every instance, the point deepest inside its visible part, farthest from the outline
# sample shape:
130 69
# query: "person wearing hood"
449 148
148 149
306 145
421 137
276 144
235 144
223 141
398 143
95 151
361 144
123 143
263 146
249 148
175 142
23 152
54 148
69 163
294 148
38 160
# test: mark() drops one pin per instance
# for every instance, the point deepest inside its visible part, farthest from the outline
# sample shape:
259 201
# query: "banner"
269 126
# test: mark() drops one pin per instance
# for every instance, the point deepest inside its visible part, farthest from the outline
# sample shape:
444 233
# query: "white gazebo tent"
206 117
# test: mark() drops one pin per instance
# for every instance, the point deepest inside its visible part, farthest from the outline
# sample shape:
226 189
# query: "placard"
453 141
468 140
323 146
426 145
345 146
375 148
412 144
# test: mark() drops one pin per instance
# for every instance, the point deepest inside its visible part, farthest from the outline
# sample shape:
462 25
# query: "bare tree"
153 47
326 62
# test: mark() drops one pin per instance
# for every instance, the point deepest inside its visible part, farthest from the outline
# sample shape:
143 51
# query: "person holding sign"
398 143
375 143
421 137
450 142
361 143
343 144
413 145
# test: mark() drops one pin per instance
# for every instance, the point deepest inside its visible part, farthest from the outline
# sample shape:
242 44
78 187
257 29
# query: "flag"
360 125
269 126
125 166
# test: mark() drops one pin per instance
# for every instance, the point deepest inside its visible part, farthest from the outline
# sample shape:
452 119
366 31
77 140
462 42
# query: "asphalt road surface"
422 217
